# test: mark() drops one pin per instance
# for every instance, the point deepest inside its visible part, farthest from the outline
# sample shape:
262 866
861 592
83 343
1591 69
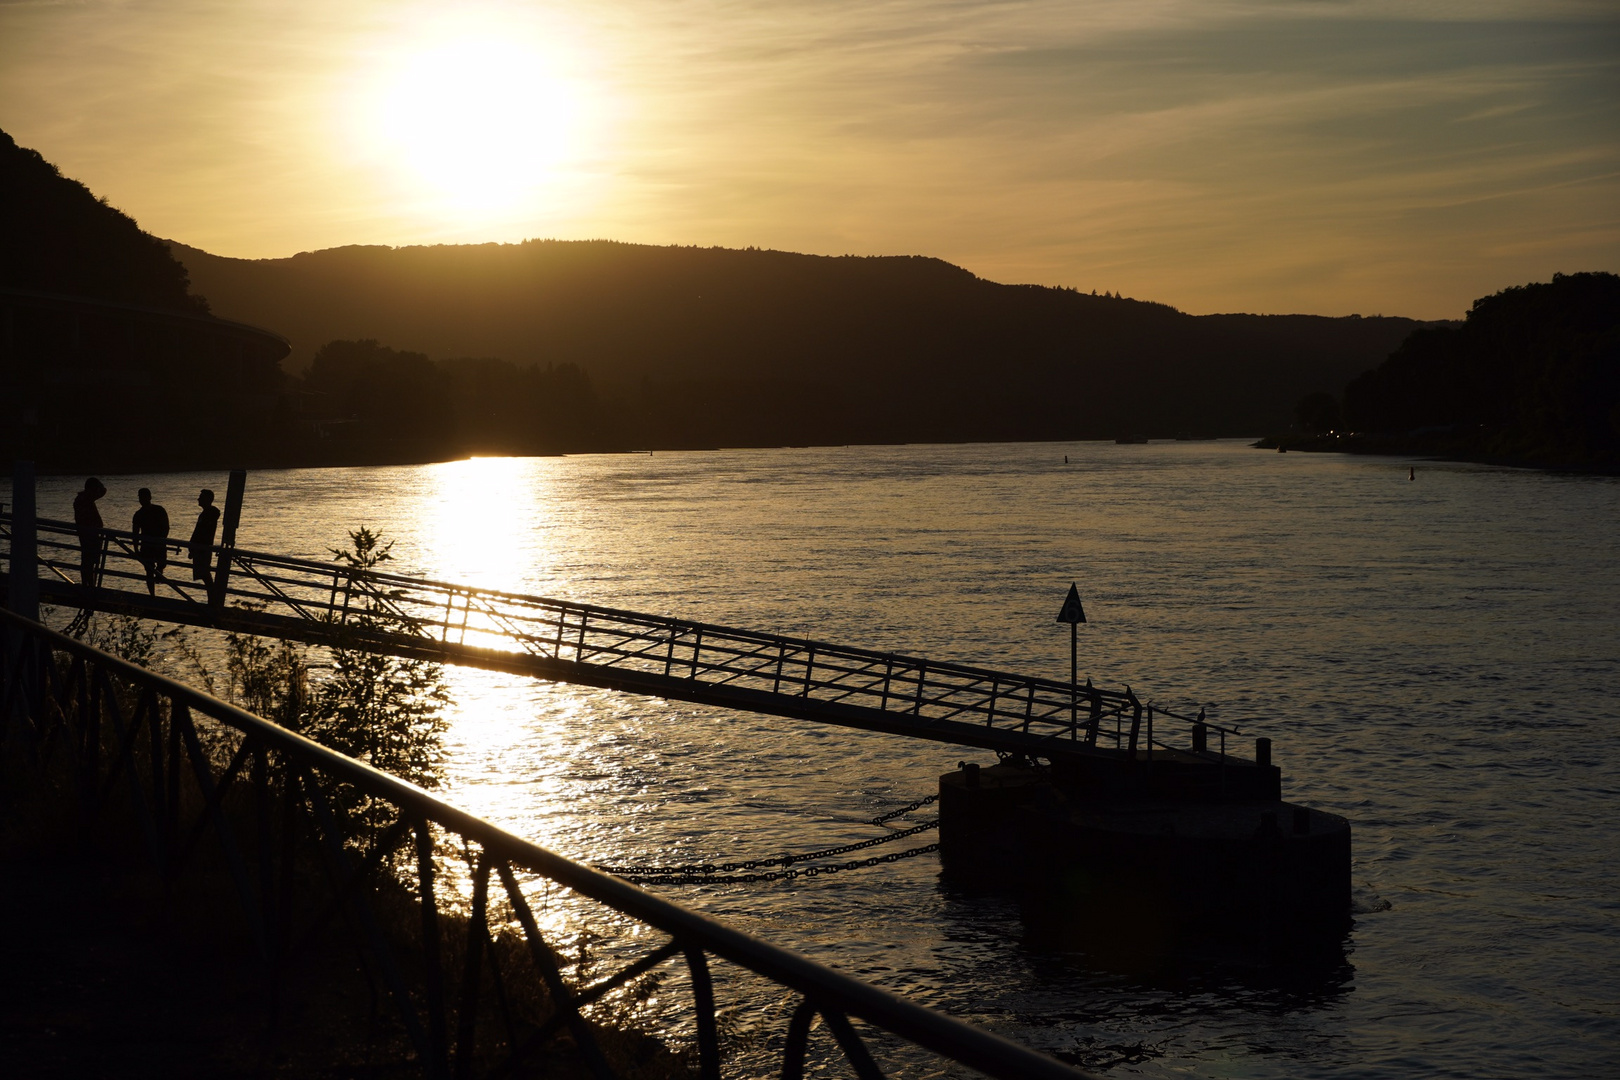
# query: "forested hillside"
422 353
57 237
709 346
1532 375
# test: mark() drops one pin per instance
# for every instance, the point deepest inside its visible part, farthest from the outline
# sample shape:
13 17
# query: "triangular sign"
1072 611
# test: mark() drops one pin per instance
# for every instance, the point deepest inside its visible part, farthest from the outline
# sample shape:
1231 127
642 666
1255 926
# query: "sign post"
1074 615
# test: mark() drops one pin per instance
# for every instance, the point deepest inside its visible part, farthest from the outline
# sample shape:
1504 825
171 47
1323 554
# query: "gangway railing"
630 650
187 766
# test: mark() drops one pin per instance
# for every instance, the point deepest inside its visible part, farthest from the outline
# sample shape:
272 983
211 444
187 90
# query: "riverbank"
1439 446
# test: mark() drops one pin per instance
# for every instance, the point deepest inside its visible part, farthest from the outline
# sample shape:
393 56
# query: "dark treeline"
715 347
108 362
361 401
1531 376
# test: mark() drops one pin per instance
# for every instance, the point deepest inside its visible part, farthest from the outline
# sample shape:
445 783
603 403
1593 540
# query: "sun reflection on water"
474 518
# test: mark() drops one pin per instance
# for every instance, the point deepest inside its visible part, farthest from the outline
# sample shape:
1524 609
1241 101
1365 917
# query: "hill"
420 353
57 237
710 346
107 360
1532 375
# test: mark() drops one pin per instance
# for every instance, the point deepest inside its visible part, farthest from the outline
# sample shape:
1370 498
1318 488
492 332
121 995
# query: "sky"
1330 156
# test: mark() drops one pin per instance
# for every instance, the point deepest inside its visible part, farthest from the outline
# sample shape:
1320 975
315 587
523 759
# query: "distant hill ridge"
714 346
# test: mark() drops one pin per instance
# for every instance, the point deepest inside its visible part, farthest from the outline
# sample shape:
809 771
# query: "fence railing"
1046 715
188 765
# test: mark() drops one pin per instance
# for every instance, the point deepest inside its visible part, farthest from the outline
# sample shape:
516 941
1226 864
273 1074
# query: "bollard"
970 773
1262 752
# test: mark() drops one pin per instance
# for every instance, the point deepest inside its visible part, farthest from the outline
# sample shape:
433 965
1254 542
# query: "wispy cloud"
1327 156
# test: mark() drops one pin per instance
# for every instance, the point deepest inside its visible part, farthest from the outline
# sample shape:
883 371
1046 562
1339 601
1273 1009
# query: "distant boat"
1123 439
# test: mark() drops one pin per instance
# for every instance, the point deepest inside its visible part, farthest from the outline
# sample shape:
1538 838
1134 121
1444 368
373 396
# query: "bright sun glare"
474 123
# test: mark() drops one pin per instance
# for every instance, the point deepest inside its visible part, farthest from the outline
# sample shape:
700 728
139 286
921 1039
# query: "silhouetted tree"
379 402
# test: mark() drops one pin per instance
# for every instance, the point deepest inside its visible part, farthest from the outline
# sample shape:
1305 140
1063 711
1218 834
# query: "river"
1437 659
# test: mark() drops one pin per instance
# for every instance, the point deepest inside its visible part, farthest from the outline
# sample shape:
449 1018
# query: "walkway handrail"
36 693
1029 714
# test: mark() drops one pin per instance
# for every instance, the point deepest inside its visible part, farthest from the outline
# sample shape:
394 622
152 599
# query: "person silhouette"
202 538
151 525
87 522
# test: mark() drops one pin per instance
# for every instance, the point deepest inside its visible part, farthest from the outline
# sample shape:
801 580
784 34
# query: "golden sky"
1331 156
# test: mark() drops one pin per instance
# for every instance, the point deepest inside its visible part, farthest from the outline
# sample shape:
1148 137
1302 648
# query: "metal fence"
634 651
189 767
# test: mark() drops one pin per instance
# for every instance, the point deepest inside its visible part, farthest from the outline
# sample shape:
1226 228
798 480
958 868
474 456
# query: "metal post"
1136 723
1094 721
24 552
1074 680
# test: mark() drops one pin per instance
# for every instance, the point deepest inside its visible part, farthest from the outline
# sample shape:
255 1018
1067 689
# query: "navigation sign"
1072 612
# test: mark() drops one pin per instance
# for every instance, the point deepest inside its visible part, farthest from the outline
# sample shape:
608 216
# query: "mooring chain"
636 873
779 875
892 814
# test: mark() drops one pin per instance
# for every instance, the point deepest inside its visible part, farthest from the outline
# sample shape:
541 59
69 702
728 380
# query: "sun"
474 123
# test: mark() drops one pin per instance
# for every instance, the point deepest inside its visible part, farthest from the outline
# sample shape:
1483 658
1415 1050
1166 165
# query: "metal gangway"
335 604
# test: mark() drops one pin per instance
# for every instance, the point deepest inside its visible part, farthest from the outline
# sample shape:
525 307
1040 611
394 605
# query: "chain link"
637 873
779 875
711 871
892 814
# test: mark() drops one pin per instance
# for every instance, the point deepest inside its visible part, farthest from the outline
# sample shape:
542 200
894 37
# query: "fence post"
1136 723
1095 721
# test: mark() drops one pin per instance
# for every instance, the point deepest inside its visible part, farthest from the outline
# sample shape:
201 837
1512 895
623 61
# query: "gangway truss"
334 604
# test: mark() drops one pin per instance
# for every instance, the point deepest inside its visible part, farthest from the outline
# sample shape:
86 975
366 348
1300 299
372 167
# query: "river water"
1436 659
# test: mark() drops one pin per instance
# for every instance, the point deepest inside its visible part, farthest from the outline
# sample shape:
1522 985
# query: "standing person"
202 538
151 525
87 521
